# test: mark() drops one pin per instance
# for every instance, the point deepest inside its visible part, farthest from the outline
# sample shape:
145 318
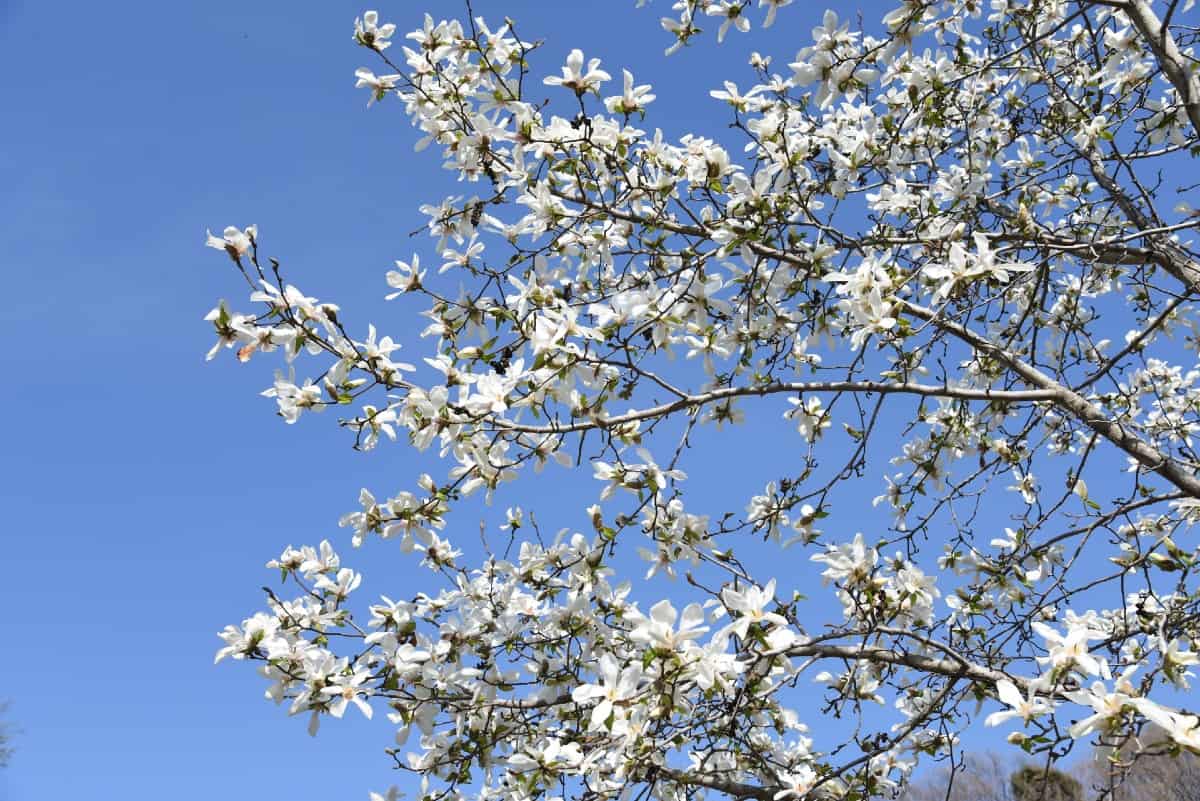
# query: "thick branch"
1079 407
929 664
1172 62
727 786
713 396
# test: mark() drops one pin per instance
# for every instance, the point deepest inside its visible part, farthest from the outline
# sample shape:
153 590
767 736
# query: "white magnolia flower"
749 607
733 12
379 85
1108 706
1181 727
963 267
406 278
848 563
369 33
574 77
1071 651
553 755
257 632
1025 707
810 417
1176 658
616 688
657 630
632 100
796 783
348 690
735 98
233 241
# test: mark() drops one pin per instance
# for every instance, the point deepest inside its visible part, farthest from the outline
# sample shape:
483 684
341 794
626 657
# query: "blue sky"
144 489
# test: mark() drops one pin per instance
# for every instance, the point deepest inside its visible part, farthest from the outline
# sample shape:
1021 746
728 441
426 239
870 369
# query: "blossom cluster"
931 253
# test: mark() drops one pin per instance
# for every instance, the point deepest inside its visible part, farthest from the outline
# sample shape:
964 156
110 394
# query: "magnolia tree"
947 249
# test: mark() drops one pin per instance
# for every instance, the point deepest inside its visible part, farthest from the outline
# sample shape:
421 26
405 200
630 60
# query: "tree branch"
713 396
1079 407
1172 62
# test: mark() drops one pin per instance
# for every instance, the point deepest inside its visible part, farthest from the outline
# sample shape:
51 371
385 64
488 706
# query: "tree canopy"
948 249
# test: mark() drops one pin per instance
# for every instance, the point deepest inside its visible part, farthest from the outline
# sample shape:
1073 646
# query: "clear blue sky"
143 489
